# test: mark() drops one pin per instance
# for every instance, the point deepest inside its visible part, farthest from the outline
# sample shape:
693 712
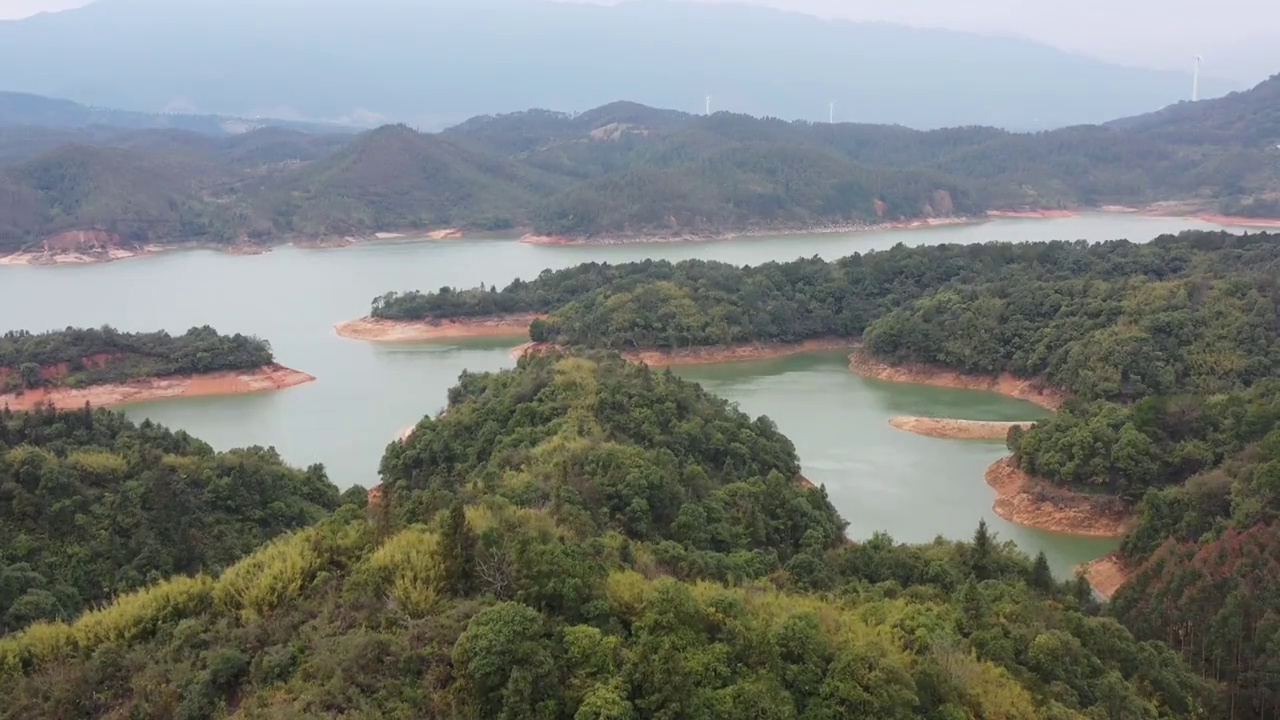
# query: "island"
74 367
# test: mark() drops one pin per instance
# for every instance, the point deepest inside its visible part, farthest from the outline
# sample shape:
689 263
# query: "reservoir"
880 479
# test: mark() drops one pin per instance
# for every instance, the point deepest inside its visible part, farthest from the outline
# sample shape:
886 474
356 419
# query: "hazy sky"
1240 39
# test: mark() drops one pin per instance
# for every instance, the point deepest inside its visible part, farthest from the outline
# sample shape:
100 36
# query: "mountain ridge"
626 171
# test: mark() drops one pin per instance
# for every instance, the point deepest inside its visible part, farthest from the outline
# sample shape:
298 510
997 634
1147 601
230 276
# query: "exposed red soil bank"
1107 573
379 330
231 382
957 429
1023 500
1031 390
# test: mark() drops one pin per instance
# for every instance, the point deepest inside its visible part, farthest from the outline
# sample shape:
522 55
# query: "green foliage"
620 170
458 551
637 548
76 358
610 445
1116 320
92 505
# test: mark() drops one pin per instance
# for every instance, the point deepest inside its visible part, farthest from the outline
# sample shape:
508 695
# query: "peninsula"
71 368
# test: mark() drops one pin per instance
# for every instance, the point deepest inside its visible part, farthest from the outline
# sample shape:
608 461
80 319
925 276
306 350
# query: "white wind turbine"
831 115
1195 80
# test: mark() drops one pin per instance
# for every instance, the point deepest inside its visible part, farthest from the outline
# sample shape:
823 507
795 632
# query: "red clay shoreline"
1030 389
1024 500
380 330
231 382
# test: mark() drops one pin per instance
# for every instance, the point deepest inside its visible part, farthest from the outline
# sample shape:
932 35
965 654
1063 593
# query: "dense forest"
78 358
93 506
619 170
1171 351
583 538
1107 321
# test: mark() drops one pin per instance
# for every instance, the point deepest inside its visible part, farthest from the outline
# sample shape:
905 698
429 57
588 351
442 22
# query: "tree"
980 558
458 551
505 663
1041 575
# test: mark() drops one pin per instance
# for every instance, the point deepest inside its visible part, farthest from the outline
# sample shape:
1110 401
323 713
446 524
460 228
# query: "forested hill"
622 170
93 506
1171 349
579 538
1248 119
1095 325
78 358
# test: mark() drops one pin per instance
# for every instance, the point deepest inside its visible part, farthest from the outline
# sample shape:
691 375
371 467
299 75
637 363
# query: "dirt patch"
233 382
379 330
863 363
711 354
72 257
1029 213
957 429
708 236
1107 574
1023 500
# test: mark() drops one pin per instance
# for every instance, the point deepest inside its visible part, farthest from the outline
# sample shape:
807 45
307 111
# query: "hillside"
1248 119
565 56
131 504
129 197
583 538
621 171
395 178
1168 353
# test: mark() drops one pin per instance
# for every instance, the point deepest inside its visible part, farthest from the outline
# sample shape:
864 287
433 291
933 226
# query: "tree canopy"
80 357
93 506
584 538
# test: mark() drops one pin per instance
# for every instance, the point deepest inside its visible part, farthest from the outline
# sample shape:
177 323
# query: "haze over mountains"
398 60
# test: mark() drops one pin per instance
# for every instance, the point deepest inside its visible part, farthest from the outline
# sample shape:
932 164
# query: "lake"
879 478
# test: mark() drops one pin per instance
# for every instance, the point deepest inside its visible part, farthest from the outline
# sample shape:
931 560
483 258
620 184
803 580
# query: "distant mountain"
395 178
436 63
25 109
623 170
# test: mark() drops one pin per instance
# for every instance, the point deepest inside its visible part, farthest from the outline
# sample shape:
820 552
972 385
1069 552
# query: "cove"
366 393
881 479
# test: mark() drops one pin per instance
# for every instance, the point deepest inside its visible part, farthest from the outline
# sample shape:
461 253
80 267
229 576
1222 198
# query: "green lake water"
879 478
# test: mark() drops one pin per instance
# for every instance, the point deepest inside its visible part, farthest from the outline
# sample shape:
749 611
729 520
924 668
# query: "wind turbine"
1195 80
708 111
831 117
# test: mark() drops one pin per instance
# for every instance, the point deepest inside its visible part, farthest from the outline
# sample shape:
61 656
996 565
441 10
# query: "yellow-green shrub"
261 582
409 568
627 592
138 613
126 619
102 467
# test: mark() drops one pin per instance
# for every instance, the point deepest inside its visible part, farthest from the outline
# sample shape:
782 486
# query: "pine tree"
1041 575
458 551
980 562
